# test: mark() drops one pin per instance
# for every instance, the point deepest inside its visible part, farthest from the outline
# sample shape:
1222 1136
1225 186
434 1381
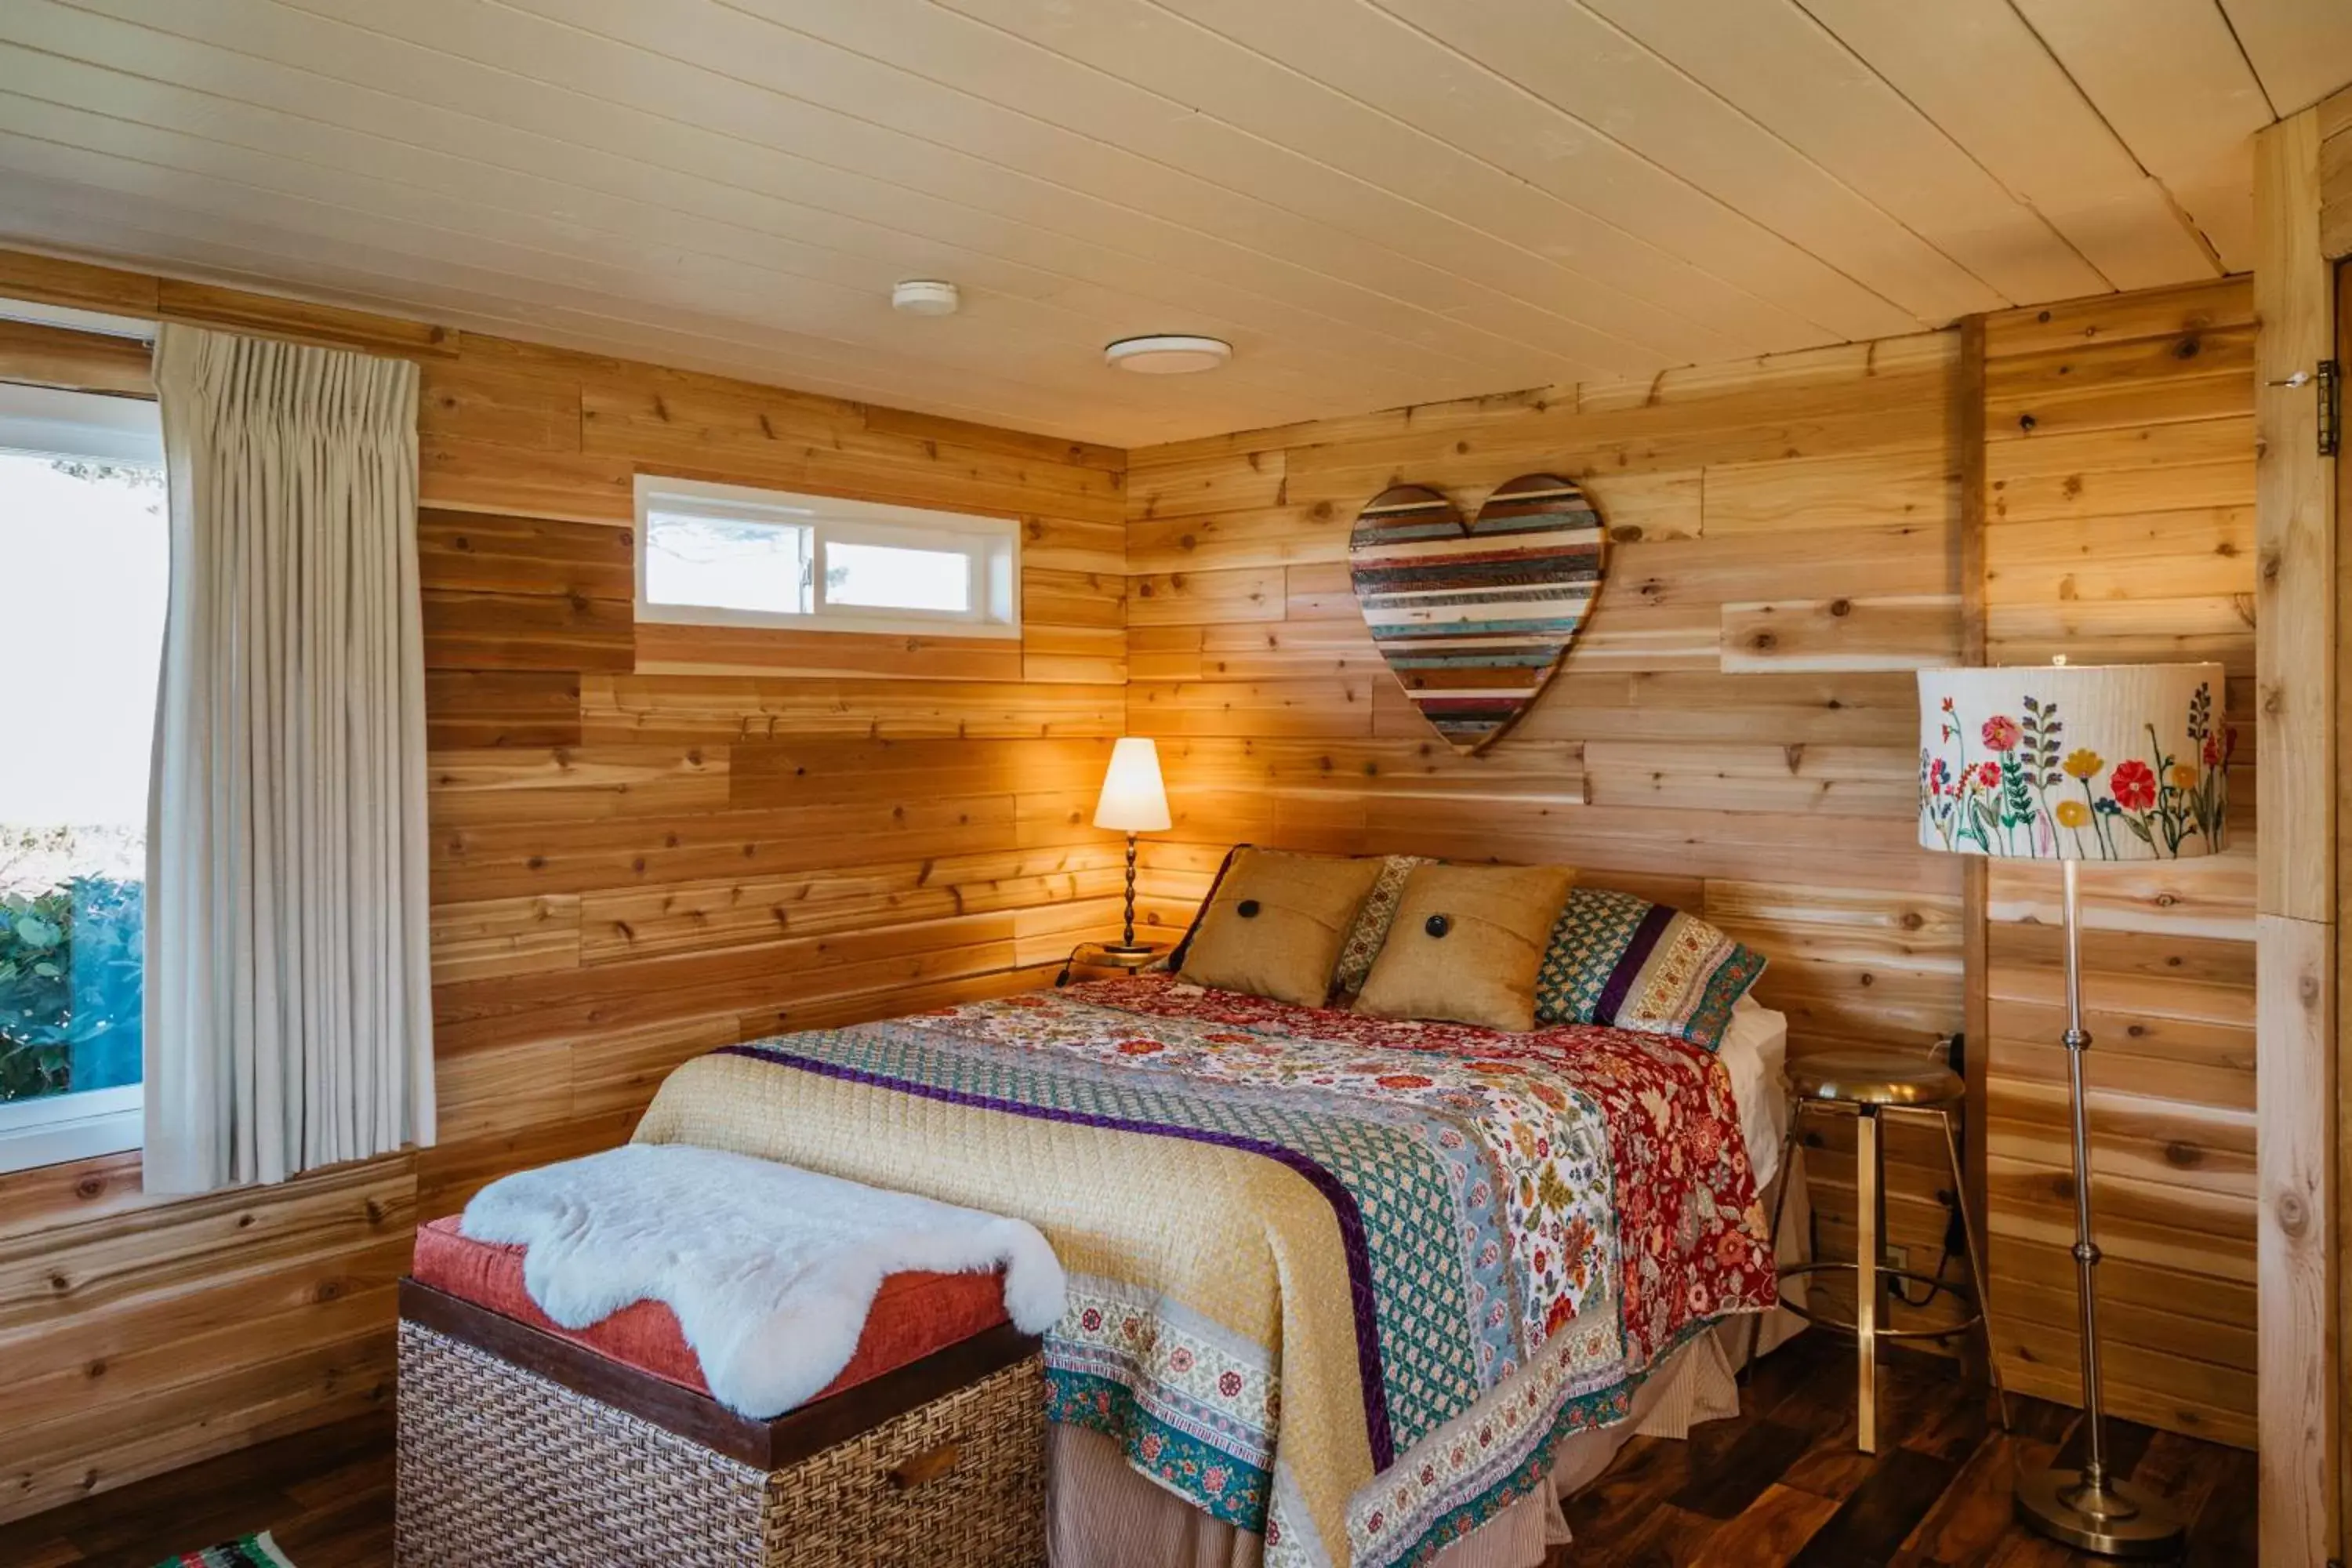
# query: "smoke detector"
1168 354
926 296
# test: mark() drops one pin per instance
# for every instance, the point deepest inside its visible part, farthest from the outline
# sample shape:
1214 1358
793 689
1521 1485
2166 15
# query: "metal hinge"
2331 407
2330 393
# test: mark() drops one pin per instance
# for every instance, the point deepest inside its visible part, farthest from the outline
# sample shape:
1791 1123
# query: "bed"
1343 1289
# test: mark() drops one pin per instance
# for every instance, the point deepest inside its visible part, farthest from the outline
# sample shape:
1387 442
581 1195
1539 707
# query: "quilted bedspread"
1347 1281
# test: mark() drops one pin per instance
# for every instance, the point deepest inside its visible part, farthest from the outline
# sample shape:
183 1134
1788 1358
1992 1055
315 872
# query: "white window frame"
46 422
989 545
74 1126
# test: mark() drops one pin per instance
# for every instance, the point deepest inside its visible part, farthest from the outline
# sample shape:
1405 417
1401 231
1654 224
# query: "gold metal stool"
1870 1086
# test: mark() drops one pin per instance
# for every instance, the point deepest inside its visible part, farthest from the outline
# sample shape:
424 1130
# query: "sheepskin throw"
769 1269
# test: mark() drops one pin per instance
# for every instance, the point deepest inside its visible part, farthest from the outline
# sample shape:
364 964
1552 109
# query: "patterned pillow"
1372 922
1619 959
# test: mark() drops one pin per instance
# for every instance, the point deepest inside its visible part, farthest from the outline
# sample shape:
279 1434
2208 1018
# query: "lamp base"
2120 1520
1125 949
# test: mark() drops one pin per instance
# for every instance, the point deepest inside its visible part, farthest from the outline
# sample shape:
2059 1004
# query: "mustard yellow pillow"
1466 943
1275 924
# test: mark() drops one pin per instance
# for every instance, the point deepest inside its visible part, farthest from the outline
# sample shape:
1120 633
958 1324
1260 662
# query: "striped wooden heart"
1474 618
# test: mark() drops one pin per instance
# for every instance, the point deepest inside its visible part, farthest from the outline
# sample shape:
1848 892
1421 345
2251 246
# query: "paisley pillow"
1372 922
1619 959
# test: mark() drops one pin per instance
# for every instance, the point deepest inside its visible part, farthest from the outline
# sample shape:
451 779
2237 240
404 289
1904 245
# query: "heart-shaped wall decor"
1472 617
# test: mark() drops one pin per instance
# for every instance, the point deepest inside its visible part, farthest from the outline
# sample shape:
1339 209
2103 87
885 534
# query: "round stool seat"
1875 1077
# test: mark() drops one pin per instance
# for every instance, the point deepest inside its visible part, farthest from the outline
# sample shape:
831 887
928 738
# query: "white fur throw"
769 1269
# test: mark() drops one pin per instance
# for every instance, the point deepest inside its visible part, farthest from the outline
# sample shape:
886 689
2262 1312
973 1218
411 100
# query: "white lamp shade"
2126 762
1133 798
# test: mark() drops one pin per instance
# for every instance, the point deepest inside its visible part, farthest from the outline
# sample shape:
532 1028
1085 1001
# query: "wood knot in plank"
2293 1214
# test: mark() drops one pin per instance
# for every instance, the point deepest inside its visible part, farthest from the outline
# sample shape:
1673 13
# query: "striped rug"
250 1552
1472 617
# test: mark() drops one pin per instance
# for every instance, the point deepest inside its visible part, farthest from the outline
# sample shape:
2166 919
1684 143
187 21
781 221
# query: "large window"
726 555
84 567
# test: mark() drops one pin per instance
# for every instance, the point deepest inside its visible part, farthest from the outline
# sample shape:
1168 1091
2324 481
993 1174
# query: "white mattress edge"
1754 1050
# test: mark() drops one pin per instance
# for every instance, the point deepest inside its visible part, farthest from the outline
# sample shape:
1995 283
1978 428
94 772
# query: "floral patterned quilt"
1347 1281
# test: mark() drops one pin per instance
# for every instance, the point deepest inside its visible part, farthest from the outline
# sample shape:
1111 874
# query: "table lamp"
1133 800
2077 763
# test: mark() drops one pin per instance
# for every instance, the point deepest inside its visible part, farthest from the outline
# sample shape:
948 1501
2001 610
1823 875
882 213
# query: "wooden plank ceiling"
1380 202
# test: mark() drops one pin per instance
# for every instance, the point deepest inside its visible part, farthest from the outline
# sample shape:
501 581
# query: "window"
84 567
725 555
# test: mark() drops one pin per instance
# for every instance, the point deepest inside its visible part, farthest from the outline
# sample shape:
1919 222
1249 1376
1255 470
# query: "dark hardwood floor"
325 1495
1780 1485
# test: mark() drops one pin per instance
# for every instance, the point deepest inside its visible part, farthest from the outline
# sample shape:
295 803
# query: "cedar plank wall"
1735 731
2119 457
628 867
2335 174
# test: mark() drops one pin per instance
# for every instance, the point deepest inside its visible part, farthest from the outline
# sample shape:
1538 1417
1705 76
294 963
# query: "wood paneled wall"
2299 301
2120 460
2333 125
644 844
1735 732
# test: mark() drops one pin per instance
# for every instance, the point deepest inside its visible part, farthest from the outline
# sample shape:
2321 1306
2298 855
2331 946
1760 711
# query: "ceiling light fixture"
1167 355
926 296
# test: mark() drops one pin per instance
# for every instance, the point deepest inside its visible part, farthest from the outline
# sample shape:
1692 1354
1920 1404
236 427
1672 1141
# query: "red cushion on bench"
913 1314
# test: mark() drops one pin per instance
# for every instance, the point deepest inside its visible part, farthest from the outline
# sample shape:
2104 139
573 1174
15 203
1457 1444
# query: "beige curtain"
288 1012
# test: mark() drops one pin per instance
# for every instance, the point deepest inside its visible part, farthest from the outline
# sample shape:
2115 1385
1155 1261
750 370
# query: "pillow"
1175 961
1275 922
1465 944
1372 921
1619 959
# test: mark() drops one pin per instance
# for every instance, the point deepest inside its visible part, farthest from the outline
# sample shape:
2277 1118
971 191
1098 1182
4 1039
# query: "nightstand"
1105 955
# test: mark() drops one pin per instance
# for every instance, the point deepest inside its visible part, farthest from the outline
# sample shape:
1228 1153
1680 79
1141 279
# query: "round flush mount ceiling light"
926 296
1167 355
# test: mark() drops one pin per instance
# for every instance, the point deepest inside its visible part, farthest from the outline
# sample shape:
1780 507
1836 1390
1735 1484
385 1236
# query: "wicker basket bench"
520 1447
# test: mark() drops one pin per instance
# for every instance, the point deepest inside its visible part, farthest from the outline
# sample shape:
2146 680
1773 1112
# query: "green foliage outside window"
71 991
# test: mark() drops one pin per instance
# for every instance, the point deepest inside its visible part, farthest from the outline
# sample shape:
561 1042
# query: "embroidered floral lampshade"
2125 761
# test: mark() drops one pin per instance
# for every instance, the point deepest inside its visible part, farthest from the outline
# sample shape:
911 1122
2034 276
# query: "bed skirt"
1103 1514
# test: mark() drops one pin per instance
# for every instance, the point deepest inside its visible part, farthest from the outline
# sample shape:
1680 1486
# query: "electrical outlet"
1897 1257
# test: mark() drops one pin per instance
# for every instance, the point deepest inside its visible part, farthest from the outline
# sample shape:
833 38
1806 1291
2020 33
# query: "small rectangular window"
726 555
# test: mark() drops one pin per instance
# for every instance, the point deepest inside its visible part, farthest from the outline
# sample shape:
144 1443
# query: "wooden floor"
1780 1485
1783 1485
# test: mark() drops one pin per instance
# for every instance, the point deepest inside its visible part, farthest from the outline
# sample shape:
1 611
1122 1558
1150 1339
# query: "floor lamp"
2071 764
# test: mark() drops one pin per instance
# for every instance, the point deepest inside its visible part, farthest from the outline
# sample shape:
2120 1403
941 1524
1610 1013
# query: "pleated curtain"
289 1009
